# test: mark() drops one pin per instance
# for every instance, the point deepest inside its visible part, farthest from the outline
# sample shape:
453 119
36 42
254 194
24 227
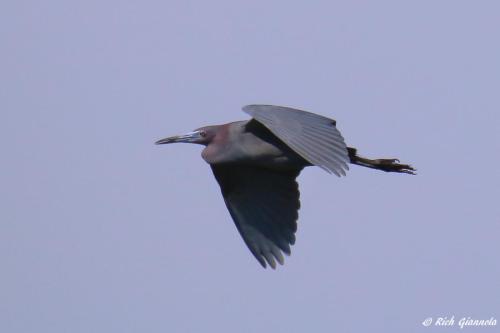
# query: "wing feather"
312 136
264 206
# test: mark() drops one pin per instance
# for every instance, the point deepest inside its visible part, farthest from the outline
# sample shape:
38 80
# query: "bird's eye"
203 134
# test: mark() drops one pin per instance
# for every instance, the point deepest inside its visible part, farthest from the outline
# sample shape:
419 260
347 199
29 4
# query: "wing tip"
270 258
337 171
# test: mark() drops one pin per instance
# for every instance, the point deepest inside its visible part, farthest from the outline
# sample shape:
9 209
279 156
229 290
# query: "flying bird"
256 163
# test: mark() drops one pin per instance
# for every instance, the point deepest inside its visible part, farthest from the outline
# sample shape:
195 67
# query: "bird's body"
250 143
256 163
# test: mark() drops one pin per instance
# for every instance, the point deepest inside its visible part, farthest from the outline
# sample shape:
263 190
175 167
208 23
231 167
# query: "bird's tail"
387 165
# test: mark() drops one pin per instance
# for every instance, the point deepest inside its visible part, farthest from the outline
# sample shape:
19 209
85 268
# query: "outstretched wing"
313 137
264 206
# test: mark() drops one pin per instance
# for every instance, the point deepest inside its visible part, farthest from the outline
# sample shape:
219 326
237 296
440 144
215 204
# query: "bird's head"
202 136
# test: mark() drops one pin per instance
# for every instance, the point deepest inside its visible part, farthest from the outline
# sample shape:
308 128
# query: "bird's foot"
393 165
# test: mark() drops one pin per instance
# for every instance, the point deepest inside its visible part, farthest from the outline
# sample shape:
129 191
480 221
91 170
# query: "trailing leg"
387 165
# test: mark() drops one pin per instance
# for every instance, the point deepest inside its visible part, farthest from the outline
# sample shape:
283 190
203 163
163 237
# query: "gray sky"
101 231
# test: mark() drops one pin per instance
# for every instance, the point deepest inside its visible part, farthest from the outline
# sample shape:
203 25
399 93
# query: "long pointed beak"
191 137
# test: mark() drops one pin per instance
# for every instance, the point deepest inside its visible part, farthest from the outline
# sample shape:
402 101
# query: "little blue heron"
256 163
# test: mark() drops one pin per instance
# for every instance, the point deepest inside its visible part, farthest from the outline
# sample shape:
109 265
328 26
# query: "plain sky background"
102 231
